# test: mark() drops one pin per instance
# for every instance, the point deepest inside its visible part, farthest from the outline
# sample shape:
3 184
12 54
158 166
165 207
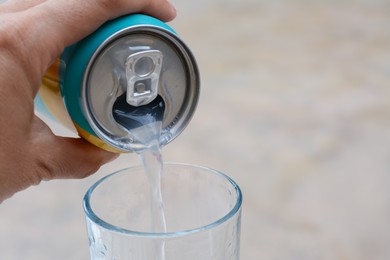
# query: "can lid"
144 63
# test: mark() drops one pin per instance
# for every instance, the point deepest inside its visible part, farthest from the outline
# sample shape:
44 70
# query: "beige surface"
295 107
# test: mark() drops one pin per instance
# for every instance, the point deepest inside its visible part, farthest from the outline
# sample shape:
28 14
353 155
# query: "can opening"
131 117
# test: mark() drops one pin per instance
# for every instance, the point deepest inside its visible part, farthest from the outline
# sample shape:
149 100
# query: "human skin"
32 34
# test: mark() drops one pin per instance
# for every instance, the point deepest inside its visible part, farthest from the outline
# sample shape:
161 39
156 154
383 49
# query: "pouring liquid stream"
144 123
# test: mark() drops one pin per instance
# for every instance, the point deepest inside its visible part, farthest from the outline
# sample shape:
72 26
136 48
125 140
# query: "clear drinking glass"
202 213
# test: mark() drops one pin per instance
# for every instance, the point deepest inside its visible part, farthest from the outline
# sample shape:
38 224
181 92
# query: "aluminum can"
135 61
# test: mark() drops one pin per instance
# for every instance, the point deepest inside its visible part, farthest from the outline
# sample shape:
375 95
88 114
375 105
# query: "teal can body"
137 56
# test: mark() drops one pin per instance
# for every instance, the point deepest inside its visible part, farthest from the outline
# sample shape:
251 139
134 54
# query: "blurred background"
295 107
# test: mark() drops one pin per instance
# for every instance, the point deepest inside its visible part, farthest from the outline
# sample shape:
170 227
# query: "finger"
71 158
87 15
62 157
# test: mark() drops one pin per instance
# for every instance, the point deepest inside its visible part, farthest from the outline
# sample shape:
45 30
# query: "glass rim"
90 214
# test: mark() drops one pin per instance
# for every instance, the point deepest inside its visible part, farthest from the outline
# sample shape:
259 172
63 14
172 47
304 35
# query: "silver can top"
140 68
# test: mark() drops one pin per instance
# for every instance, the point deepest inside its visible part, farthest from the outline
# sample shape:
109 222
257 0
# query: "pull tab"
142 73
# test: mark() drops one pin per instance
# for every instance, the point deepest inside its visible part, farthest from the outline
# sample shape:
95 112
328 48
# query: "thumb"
71 158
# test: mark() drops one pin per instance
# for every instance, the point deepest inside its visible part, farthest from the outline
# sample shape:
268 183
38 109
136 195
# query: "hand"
32 34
